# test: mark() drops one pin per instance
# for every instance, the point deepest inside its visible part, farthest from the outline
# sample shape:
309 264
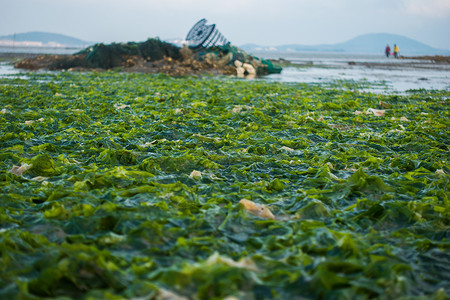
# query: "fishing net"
210 44
116 54
155 55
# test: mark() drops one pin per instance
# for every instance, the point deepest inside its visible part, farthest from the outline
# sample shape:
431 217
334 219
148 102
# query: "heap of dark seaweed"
154 56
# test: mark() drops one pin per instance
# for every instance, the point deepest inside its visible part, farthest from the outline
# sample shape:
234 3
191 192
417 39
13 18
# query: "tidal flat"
139 186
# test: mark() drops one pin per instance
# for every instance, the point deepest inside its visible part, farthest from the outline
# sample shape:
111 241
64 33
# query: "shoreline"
395 75
401 61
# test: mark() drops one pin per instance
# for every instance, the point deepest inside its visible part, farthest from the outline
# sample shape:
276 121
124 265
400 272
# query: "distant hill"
376 42
42 39
367 43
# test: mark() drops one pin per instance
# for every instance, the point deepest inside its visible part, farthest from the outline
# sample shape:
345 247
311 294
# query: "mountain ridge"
367 43
42 39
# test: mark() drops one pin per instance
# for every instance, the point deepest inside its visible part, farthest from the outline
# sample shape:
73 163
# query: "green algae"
109 209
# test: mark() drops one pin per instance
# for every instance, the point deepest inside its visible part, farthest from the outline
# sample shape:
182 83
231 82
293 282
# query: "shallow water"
39 50
394 75
393 80
6 68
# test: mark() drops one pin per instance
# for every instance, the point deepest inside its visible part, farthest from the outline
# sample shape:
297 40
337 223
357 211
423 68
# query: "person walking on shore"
396 51
388 51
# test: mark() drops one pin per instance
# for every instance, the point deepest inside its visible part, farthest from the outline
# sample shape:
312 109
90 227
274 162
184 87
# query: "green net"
115 54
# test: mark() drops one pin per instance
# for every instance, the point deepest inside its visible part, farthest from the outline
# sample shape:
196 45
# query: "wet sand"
425 62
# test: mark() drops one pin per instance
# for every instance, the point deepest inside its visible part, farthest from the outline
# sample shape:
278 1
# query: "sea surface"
39 50
387 74
390 74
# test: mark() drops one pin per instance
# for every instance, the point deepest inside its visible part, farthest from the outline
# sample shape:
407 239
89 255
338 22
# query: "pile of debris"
155 56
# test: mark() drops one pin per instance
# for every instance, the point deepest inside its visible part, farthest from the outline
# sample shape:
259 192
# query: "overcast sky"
265 22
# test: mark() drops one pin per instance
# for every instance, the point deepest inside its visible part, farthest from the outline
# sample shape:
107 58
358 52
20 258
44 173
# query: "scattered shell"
238 108
257 209
168 295
38 120
122 106
249 68
334 176
196 175
384 104
16 170
245 263
213 177
39 178
404 119
152 143
357 112
178 111
146 145
240 71
376 112
440 172
395 131
287 149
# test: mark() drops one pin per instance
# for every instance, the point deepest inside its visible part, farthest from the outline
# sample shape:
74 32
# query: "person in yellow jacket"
396 51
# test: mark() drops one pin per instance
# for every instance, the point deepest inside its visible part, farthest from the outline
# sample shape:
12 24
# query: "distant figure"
388 51
396 51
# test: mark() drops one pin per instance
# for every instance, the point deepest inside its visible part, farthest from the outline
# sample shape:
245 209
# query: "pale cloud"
266 22
430 8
